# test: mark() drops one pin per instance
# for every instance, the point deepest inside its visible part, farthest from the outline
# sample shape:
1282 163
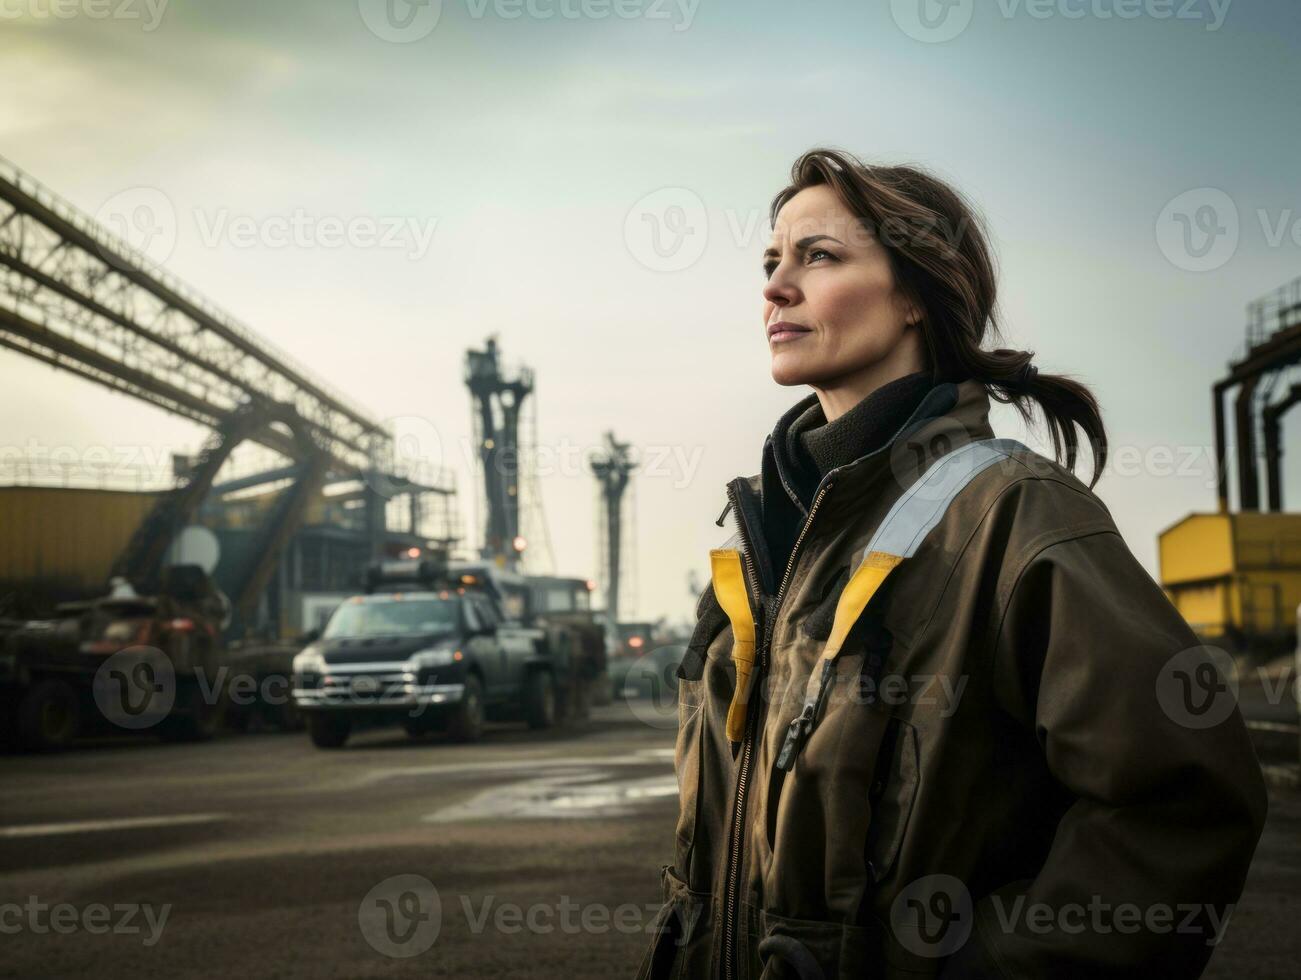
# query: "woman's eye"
819 251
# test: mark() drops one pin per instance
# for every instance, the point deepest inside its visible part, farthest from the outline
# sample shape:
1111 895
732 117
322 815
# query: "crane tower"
613 467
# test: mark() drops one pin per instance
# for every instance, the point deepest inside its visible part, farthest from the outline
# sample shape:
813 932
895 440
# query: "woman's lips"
781 332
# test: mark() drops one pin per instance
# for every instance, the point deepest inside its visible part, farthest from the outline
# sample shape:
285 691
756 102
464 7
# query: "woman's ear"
911 310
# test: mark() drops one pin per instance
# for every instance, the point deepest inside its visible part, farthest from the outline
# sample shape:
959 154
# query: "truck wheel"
328 732
287 717
582 710
466 722
601 688
49 716
417 727
193 717
574 703
540 699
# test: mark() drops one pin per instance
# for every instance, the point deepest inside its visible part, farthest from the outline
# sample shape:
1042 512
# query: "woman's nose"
779 291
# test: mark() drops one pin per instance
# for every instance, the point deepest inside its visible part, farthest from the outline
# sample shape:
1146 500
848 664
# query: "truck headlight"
443 656
309 661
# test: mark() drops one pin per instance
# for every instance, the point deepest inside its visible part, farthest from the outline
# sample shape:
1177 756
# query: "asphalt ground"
261 856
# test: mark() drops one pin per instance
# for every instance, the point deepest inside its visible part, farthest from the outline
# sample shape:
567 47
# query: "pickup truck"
431 648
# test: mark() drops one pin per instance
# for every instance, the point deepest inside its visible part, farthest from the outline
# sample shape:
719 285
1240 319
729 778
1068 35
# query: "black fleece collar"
792 469
805 446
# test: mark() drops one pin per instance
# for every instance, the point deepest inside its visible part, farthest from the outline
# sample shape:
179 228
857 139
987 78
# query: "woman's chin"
788 371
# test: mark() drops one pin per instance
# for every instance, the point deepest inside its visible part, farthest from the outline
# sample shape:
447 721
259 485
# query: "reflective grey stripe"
921 506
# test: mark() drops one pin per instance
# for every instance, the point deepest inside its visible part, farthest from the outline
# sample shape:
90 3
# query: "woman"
935 719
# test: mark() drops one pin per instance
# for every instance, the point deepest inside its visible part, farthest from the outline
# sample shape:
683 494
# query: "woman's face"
831 312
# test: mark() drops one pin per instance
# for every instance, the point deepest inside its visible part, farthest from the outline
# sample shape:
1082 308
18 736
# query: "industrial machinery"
503 431
119 662
76 297
1235 575
500 396
639 664
613 467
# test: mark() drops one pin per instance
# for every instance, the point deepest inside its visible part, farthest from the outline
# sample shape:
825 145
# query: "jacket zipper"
734 862
743 774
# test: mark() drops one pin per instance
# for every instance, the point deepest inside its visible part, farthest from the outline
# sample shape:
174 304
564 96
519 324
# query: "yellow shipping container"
1234 575
65 538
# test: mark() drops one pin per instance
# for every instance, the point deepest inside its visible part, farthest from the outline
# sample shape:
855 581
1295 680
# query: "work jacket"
958 730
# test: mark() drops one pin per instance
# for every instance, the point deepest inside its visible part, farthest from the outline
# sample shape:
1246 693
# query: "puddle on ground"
640 757
577 792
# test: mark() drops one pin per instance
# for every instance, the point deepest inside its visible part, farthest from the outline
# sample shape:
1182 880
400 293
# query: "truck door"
482 646
515 640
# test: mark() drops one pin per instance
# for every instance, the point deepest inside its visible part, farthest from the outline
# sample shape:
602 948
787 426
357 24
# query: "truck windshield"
391 617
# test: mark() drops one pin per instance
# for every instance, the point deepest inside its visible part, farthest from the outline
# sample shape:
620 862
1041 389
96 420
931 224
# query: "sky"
376 186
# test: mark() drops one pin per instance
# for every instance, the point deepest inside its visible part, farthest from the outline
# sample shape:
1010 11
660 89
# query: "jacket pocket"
689 764
804 949
891 796
681 933
835 826
702 759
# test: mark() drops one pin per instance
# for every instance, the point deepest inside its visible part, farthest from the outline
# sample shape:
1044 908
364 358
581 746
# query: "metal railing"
1275 311
121 249
84 474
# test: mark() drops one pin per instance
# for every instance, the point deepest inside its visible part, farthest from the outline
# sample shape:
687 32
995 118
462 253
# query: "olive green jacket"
1018 763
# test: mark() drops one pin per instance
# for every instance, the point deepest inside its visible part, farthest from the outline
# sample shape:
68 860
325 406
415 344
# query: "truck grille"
376 685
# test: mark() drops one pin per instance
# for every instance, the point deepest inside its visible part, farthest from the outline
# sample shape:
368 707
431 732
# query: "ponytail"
1011 378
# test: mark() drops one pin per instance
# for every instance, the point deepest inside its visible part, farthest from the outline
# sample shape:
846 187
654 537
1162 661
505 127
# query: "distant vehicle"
261 692
640 665
439 646
122 662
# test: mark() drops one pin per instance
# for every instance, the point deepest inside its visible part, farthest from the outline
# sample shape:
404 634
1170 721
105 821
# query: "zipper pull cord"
862 585
723 515
802 726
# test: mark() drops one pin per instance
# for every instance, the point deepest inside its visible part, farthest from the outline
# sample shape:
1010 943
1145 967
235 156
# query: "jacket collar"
950 415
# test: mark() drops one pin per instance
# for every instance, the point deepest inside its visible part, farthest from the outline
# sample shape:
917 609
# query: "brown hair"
940 259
